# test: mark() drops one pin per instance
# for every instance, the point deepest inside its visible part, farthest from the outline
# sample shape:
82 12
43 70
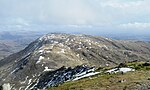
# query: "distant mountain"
8 47
65 56
14 41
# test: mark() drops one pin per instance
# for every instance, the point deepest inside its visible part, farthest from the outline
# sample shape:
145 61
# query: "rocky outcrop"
63 74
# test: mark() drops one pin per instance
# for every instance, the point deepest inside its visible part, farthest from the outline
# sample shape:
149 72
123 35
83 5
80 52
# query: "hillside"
65 56
137 80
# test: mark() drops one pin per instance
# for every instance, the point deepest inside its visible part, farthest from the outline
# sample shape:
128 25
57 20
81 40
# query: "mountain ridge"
54 51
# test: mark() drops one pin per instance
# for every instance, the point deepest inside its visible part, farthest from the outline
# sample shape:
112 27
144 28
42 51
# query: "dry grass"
104 81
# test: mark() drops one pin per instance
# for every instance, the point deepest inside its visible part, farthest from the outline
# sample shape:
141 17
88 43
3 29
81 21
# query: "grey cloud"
75 12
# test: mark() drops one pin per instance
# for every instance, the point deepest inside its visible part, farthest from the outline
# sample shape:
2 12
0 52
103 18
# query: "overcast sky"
120 14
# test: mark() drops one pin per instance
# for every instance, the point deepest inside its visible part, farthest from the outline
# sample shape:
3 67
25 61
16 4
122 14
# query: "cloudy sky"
116 14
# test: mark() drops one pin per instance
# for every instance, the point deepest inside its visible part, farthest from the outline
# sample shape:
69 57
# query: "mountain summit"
60 54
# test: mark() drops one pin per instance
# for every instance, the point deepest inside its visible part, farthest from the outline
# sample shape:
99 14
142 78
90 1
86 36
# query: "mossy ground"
103 81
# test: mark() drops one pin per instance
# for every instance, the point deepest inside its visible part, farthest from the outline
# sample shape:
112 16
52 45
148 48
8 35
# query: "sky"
101 15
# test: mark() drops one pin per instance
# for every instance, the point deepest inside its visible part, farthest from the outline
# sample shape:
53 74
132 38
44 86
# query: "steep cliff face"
54 51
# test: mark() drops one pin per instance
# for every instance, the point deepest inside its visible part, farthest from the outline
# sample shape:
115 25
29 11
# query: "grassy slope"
131 81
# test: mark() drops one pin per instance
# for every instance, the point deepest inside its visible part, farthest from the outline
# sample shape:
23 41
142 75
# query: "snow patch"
86 75
6 86
40 51
78 55
47 69
24 80
29 84
42 65
34 75
56 42
105 47
21 88
62 51
124 70
29 81
79 48
67 40
40 58
48 51
60 44
14 70
90 44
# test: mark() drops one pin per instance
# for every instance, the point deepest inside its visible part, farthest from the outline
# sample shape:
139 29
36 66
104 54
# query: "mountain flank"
49 53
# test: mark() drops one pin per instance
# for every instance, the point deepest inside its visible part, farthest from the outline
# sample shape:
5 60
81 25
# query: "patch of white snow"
47 69
40 51
124 70
6 86
29 81
62 51
86 75
40 58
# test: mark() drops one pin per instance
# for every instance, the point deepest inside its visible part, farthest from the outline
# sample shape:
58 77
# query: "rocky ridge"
53 51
